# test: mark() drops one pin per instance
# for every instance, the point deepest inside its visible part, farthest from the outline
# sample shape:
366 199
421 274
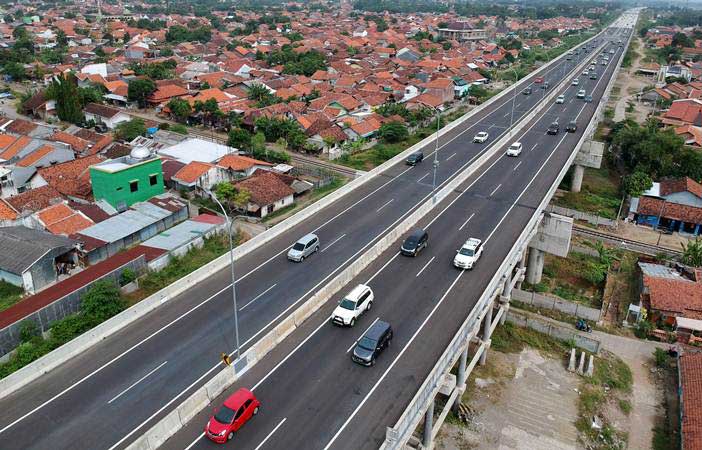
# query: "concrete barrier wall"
556 303
580 215
542 325
60 308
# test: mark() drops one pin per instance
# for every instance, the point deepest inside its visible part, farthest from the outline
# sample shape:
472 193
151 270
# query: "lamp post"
230 222
435 164
514 98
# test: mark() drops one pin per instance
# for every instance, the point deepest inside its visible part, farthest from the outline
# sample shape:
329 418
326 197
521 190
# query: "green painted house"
129 179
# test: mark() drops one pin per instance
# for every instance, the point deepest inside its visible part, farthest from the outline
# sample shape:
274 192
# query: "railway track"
637 246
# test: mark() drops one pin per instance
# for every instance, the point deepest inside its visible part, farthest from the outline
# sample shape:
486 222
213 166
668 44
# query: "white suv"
515 149
353 305
469 254
560 100
481 137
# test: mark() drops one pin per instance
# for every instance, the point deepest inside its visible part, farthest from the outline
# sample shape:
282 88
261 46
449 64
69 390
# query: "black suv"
415 242
372 343
553 128
414 158
527 90
572 126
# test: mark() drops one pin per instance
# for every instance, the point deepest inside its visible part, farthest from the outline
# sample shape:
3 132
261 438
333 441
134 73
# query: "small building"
128 179
33 259
675 205
269 193
108 115
462 32
690 393
670 292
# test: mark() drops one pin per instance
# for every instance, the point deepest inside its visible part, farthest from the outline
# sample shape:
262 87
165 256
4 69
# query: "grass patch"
510 338
279 212
599 194
625 406
568 279
9 294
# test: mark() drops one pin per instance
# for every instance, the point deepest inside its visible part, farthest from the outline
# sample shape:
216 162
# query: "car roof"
516 143
417 233
238 398
357 291
417 153
377 329
482 132
307 238
472 243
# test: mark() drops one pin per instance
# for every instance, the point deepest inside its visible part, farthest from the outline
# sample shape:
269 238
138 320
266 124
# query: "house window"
133 186
153 180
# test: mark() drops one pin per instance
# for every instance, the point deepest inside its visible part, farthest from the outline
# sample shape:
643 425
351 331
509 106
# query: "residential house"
108 115
675 205
268 193
670 292
197 174
690 399
462 32
441 88
239 166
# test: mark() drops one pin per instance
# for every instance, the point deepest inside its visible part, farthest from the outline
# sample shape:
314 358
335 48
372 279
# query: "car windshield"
298 246
224 415
411 242
367 343
348 304
467 251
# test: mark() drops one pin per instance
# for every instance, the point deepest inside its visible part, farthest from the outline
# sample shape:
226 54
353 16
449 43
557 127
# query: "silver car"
304 247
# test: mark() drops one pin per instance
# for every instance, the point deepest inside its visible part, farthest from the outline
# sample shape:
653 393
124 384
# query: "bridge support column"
535 266
427 440
522 265
505 298
462 363
577 181
487 325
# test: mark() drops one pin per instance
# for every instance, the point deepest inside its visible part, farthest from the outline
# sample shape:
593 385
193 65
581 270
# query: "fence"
553 329
324 177
579 215
556 303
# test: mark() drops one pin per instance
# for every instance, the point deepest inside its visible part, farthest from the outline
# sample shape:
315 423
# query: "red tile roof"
71 178
239 162
691 393
35 156
13 149
668 187
7 212
192 171
76 143
167 92
265 188
34 199
651 206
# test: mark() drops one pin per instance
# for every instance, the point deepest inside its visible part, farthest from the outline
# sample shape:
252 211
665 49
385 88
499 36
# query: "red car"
539 80
236 411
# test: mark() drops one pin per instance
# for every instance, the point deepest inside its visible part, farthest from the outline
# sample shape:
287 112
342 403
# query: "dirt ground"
648 235
628 84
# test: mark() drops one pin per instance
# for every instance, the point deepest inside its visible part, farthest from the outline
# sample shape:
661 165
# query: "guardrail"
50 361
397 436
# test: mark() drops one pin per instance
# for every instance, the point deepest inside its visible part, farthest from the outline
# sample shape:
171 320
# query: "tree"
637 183
15 70
179 128
180 109
232 195
393 132
139 90
261 95
682 40
239 139
102 301
128 131
692 253
90 94
64 90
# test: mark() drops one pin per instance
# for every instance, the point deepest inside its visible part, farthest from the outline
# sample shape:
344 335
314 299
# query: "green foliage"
643 328
692 253
178 33
239 139
413 117
90 94
128 131
9 294
682 40
15 70
102 301
306 63
127 276
64 90
180 109
275 128
231 195
179 128
140 89
510 338
261 95
155 71
661 357
28 330
393 132
637 183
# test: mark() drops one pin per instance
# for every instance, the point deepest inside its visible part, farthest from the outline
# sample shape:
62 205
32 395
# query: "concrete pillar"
522 265
428 425
462 363
581 365
487 324
571 363
577 181
590 366
505 298
535 266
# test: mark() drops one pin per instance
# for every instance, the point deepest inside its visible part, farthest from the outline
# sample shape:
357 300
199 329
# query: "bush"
661 357
179 128
28 330
127 276
101 302
67 328
643 329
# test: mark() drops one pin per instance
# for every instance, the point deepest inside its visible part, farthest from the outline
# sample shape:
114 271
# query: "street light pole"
514 98
435 165
230 222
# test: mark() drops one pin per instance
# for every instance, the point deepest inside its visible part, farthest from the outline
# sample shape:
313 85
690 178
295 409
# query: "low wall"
551 328
556 303
579 215
59 309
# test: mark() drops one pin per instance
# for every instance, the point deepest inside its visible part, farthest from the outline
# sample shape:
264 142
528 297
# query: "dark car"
372 343
415 242
414 158
527 90
553 128
572 126
546 85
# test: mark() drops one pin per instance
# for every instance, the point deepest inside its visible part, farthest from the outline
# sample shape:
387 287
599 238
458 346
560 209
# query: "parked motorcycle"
582 325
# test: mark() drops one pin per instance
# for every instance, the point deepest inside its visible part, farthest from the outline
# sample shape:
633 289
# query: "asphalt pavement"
111 394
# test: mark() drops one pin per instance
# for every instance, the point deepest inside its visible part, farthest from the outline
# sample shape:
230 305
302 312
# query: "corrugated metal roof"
179 235
21 247
659 271
129 222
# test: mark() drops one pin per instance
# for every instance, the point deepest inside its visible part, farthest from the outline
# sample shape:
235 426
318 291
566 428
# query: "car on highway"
481 137
527 90
353 305
588 99
603 63
575 82
237 409
611 52
581 93
304 247
585 72
539 80
546 85
414 159
468 254
572 126
376 339
553 128
415 243
515 149
560 99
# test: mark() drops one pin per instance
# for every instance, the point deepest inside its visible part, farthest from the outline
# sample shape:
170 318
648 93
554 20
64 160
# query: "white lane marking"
197 439
425 266
450 157
466 222
258 447
506 115
397 358
333 242
272 371
137 382
362 334
258 296
517 166
533 147
386 204
495 190
424 176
